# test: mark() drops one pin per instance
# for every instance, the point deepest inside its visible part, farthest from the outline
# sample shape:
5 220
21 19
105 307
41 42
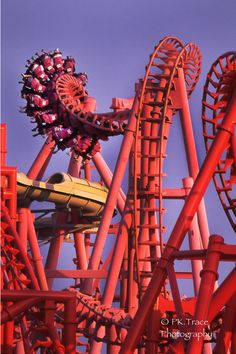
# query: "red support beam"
41 161
222 295
224 337
209 275
191 152
36 254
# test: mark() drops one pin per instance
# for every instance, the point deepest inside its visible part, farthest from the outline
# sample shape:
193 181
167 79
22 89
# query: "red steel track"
127 299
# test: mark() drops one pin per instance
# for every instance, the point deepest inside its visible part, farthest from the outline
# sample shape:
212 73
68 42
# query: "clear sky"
111 40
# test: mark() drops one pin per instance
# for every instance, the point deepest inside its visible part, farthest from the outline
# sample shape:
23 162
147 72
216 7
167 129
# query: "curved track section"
59 104
218 90
101 124
92 314
158 99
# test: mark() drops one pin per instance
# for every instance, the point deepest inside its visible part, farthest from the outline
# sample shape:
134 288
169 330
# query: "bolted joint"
208 270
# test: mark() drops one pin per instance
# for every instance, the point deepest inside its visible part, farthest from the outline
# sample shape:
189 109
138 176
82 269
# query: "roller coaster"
126 299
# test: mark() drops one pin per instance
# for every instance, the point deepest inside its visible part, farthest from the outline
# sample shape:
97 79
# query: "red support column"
75 165
80 250
118 254
39 165
227 329
23 226
209 276
153 328
36 254
194 241
87 170
70 325
124 281
56 244
87 236
191 153
222 295
175 291
81 256
106 175
20 349
7 347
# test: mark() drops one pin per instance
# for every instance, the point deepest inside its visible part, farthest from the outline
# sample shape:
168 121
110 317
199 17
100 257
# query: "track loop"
156 108
218 91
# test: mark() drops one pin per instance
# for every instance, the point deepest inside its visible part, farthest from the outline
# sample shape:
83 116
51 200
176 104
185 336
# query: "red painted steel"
106 175
209 275
181 227
39 165
127 297
218 90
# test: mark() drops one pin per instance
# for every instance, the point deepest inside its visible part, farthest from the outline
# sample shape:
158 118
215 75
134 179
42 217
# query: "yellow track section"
65 191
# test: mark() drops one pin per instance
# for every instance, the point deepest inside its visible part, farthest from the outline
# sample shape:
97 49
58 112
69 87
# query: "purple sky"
111 40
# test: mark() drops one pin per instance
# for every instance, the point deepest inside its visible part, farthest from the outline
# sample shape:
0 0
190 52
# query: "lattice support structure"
127 299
